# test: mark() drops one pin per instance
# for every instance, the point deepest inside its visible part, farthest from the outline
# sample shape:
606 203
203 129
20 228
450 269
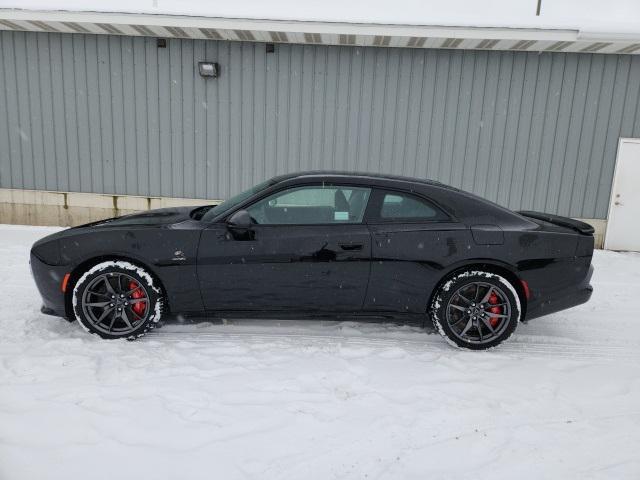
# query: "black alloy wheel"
476 309
478 312
117 300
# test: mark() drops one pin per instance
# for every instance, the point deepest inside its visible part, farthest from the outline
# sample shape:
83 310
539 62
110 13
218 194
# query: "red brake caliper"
494 300
139 307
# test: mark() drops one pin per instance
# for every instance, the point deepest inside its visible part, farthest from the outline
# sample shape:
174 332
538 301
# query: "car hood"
160 216
51 251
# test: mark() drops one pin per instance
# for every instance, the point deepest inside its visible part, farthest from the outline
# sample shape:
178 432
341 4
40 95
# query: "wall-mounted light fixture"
208 69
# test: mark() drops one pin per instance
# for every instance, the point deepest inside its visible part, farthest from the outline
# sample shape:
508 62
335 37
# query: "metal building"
122 109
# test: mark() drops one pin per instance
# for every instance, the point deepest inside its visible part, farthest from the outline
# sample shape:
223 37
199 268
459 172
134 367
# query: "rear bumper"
48 279
562 299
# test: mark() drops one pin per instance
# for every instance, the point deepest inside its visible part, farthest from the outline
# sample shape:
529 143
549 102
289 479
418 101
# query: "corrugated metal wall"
111 114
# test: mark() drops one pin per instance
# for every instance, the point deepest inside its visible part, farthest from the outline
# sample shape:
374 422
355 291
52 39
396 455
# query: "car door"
411 239
308 250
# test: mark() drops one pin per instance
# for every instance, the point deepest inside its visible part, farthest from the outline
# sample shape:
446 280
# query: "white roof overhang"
319 33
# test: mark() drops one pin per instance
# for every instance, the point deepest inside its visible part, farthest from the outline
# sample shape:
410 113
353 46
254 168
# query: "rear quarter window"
405 206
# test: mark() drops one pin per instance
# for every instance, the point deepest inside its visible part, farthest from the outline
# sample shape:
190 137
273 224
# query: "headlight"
48 252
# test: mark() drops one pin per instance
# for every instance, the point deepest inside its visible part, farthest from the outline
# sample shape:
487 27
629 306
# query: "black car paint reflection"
373 267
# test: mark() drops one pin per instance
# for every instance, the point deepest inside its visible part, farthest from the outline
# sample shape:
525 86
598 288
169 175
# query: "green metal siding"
113 114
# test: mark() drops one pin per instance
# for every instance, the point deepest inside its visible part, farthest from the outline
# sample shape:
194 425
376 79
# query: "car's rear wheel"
476 309
116 299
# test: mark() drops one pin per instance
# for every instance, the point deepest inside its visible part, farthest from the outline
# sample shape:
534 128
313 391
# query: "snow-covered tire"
454 293
117 289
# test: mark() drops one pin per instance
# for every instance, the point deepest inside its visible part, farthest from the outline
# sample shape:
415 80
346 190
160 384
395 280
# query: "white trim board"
322 33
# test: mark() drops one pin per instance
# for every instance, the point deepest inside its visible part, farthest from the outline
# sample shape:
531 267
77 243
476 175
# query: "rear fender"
491 265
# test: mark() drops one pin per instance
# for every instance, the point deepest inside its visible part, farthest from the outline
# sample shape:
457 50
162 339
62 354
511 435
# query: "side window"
312 204
398 205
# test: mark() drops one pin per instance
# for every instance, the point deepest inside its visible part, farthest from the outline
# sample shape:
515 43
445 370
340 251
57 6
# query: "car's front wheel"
116 299
476 309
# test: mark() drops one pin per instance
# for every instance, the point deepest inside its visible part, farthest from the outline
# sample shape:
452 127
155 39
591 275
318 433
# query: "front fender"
168 254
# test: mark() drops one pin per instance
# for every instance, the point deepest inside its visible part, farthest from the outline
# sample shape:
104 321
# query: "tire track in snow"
426 344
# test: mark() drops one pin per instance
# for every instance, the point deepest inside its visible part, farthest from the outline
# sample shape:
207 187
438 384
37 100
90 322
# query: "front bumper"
48 279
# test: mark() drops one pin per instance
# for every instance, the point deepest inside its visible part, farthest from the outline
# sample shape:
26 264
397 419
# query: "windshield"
233 201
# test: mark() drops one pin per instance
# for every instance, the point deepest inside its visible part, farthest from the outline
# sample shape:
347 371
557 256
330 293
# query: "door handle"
351 246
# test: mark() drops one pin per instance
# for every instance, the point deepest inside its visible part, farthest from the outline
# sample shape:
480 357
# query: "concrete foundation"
68 209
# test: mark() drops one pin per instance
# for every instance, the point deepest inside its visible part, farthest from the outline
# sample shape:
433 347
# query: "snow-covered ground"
319 400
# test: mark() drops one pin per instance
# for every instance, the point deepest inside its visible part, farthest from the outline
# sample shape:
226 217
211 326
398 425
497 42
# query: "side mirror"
241 220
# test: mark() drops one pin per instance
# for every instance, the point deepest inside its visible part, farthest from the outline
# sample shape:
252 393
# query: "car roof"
357 175
461 200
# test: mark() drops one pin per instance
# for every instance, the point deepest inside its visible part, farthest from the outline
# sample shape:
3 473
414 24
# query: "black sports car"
322 244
